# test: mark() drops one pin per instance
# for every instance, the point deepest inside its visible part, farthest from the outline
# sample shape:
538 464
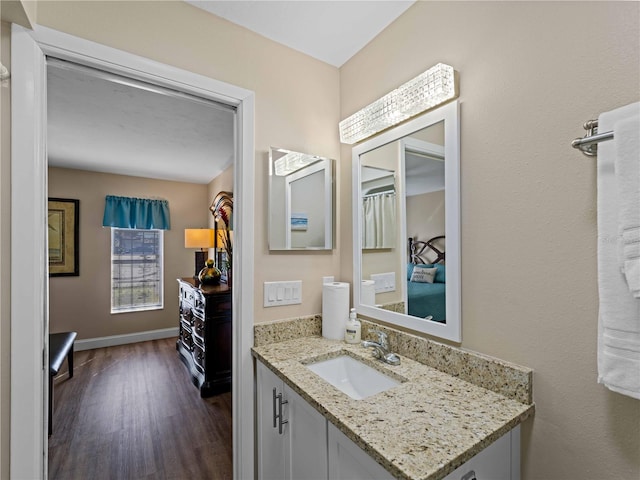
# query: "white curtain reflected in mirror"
379 216
378 208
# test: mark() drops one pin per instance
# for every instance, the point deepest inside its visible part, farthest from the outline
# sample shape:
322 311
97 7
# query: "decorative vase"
209 275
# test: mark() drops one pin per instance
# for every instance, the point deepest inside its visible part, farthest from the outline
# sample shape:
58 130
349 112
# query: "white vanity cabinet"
292 435
295 442
347 461
499 461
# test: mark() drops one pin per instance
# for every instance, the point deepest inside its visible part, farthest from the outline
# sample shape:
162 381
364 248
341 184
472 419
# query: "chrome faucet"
381 348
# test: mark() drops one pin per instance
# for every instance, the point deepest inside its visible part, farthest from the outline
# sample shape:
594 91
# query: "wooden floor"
131 412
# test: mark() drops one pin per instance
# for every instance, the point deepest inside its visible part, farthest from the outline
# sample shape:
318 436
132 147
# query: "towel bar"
589 143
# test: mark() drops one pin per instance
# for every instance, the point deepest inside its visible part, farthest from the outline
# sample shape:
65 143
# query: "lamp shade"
198 238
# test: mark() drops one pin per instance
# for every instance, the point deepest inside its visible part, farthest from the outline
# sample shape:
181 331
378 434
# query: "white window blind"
136 270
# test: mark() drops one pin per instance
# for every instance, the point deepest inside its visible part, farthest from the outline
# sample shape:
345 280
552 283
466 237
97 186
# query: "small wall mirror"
301 201
406 198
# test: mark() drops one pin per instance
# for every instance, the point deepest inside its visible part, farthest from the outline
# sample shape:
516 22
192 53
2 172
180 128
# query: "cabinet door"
347 461
306 437
271 444
496 462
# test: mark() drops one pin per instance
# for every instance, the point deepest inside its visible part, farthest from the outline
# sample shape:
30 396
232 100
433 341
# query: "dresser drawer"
198 356
187 296
199 327
185 338
186 316
221 307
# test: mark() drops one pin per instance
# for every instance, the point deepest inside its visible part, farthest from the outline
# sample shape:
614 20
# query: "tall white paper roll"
335 309
368 292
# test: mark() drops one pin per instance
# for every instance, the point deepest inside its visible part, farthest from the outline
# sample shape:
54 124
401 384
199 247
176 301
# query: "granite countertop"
422 429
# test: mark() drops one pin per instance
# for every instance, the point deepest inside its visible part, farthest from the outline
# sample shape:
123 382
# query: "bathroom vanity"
431 425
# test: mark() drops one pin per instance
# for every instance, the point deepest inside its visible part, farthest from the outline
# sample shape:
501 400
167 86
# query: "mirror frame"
452 329
329 189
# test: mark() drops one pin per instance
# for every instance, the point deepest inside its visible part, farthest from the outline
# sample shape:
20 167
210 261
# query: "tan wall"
530 75
22 12
82 303
425 217
432 134
5 251
296 103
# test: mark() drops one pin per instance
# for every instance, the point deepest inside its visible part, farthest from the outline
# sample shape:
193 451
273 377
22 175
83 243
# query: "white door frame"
29 298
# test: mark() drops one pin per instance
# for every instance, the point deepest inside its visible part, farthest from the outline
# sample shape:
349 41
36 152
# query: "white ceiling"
105 123
331 31
108 124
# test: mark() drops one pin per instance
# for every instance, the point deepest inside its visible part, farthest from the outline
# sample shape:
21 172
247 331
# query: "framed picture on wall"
63 219
299 221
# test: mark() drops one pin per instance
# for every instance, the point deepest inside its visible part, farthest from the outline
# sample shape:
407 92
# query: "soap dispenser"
352 332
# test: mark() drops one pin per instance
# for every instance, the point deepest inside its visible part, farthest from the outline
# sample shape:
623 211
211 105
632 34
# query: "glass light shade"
429 89
198 238
292 162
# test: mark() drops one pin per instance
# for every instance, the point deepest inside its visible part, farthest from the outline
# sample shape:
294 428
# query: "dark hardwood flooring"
131 412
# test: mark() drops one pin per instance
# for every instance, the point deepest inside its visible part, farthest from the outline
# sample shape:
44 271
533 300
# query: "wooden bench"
60 347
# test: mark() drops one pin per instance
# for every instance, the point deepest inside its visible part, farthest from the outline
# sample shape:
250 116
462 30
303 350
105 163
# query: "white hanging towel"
619 316
627 146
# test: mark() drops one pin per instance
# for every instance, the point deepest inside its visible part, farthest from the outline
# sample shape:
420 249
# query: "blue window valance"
140 213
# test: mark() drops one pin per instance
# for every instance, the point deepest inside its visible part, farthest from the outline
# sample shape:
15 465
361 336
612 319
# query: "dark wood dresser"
204 343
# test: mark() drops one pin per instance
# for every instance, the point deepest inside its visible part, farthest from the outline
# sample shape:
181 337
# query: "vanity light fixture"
429 89
292 162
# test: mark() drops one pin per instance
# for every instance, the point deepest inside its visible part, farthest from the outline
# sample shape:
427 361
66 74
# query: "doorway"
110 135
28 206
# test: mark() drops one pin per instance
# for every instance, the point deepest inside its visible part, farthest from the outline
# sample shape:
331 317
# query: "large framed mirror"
406 217
301 201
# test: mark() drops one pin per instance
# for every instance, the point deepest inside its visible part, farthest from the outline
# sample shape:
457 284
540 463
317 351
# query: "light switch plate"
282 293
385 282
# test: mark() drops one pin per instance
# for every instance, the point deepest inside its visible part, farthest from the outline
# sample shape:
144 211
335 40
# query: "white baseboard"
113 340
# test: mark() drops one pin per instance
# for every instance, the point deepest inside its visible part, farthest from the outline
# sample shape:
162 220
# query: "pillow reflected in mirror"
423 274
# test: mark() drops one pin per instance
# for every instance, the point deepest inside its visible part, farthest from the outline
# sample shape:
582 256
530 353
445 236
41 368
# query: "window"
136 270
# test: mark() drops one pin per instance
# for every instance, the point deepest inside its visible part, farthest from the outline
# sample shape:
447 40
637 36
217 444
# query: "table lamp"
202 238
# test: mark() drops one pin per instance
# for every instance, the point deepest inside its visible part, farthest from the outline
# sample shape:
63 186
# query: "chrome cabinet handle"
281 421
471 475
277 417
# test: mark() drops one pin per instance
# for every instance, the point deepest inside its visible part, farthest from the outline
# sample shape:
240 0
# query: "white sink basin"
353 377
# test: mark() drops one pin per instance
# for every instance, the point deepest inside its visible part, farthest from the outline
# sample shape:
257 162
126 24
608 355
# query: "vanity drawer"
499 461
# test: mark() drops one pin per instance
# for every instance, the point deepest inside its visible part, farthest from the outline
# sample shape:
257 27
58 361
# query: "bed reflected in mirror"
426 279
